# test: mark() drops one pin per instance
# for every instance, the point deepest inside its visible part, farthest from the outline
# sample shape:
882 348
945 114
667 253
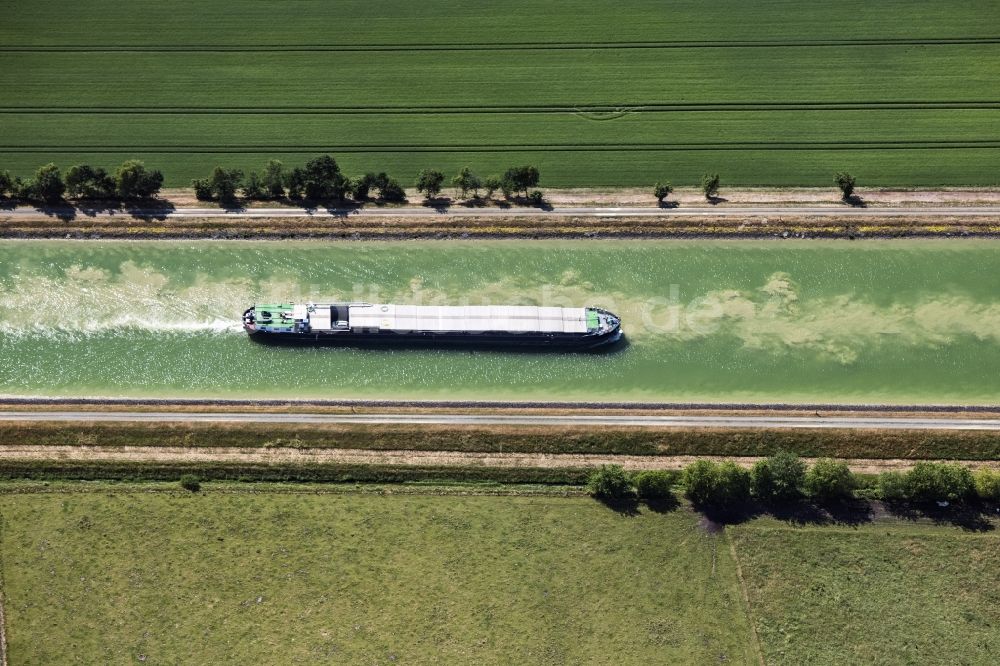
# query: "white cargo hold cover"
454 318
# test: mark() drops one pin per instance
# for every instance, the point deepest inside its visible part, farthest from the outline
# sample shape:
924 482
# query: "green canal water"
876 321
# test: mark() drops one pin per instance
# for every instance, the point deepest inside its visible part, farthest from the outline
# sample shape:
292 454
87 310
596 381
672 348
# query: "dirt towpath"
404 457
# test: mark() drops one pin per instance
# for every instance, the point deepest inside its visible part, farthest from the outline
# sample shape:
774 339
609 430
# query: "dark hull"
486 341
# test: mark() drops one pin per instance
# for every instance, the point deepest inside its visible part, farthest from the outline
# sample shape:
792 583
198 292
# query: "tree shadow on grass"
625 506
803 512
662 504
972 517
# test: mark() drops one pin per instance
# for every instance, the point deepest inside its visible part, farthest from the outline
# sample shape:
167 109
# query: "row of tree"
130 182
321 180
784 478
710 186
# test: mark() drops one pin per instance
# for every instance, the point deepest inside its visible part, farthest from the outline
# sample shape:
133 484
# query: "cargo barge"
470 326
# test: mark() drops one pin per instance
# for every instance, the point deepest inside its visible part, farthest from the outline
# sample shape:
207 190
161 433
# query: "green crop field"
592 91
117 573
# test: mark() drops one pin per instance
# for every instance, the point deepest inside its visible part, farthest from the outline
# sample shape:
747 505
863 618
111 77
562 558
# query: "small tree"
829 480
654 484
295 181
466 182
391 190
362 186
777 478
493 184
988 484
134 181
223 183
661 191
190 482
710 185
536 198
202 189
253 189
520 179
6 183
609 482
845 182
429 182
273 180
85 182
48 184
323 181
21 189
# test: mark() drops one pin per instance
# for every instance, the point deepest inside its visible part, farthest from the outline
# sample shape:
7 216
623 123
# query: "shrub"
654 484
829 480
845 182
662 190
892 486
988 484
536 198
929 482
699 480
777 478
6 183
733 485
710 185
718 486
610 482
190 482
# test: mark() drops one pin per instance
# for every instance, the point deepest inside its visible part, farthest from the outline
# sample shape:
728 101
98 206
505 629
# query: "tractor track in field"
498 46
631 106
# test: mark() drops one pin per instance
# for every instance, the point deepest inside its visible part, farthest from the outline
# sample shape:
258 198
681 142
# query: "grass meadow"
103 573
906 594
111 576
595 93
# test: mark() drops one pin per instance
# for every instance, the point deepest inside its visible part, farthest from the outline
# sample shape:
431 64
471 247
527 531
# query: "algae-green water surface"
828 321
